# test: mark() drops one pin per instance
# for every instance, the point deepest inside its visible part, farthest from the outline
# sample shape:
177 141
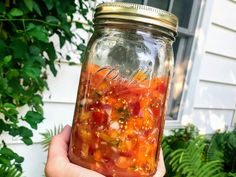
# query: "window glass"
182 9
161 4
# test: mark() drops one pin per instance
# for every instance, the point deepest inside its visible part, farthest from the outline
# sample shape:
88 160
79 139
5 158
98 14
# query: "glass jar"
122 96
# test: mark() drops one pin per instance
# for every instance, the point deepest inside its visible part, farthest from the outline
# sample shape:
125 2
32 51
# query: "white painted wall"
214 99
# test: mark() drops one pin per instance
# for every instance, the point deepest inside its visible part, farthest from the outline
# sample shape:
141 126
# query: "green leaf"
12 73
37 99
81 47
15 12
34 50
38 32
3 84
79 25
7 59
5 161
36 8
12 171
10 154
52 19
52 56
84 11
49 4
39 59
68 57
9 105
25 132
51 52
32 72
27 141
72 63
19 159
33 118
232 140
62 41
29 4
12 112
7 152
19 48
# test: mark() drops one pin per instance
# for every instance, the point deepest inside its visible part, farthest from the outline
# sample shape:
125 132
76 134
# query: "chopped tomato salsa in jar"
122 96
118 125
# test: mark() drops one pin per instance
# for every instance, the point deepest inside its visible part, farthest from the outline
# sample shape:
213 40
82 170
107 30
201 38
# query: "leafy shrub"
188 154
26 52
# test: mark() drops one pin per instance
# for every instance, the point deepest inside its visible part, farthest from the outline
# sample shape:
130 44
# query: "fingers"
58 164
161 169
65 134
59 143
57 153
77 171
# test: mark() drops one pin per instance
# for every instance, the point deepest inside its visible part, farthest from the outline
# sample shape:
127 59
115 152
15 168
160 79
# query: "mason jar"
122 96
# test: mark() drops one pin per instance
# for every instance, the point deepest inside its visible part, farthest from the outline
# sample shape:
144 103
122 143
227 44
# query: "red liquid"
118 125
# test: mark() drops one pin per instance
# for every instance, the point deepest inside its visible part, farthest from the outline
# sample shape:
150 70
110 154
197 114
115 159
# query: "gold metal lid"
139 13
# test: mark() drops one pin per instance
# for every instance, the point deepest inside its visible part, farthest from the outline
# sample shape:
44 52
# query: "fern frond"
9 171
189 161
231 175
47 136
215 149
206 169
166 148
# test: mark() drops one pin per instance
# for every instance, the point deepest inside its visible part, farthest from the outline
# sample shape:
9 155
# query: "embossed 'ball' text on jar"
122 95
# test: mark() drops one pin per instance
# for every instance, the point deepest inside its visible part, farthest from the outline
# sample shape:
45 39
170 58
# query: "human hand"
58 164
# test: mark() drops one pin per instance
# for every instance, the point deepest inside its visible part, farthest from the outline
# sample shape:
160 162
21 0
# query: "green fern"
231 175
47 136
189 162
223 147
9 171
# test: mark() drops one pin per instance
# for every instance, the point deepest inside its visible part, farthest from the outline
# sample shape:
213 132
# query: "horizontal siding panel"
218 68
221 41
63 87
55 114
223 13
208 121
212 95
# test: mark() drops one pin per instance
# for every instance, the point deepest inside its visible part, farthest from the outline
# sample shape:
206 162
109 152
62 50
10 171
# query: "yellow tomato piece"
84 150
97 155
124 162
140 76
85 135
84 116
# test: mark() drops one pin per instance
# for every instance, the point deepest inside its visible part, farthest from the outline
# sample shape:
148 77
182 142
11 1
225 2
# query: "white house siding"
214 104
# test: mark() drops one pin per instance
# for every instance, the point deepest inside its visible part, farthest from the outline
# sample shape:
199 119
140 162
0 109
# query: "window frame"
185 47
197 51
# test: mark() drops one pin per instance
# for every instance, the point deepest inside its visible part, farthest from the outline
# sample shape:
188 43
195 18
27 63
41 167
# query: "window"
187 11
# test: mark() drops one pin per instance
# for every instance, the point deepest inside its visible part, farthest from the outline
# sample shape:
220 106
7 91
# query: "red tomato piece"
162 87
135 108
99 118
155 111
